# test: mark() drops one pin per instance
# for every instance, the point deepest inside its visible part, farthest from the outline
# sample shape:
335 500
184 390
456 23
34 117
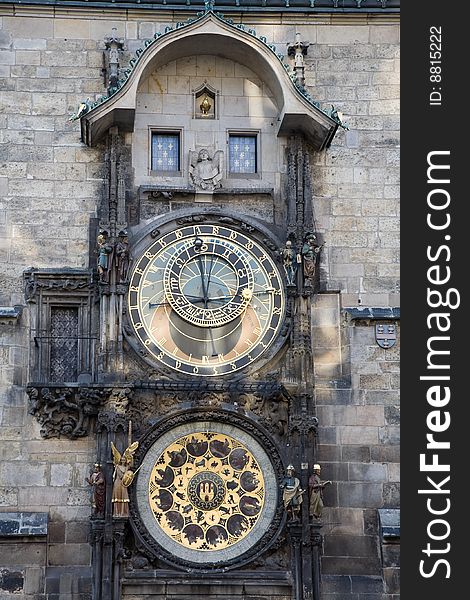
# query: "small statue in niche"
289 262
316 486
292 494
206 172
123 476
121 251
104 251
98 483
205 106
310 251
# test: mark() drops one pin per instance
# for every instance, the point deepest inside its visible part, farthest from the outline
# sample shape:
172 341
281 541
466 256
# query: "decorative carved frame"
50 288
213 93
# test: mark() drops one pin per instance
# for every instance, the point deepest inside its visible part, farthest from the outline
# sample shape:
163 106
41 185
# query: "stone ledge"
10 314
389 524
23 524
166 192
363 313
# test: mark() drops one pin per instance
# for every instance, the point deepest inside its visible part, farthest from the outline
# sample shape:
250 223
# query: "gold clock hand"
252 293
204 289
210 273
211 335
155 304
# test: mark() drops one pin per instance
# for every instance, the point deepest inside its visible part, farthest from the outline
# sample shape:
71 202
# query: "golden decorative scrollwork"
206 491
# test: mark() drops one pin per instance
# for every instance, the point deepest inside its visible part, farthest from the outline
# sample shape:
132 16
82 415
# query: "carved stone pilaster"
301 227
111 422
113 255
114 47
298 50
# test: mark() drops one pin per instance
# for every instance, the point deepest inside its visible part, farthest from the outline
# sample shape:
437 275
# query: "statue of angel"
123 476
205 172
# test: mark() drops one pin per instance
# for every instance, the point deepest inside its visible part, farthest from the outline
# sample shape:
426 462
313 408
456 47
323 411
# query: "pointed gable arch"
212 34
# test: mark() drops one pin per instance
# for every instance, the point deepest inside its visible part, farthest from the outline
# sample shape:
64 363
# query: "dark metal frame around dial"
172 248
155 544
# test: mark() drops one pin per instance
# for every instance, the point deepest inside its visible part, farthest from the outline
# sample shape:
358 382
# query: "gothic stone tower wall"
51 189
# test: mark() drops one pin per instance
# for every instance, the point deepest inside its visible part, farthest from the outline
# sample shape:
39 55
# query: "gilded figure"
123 476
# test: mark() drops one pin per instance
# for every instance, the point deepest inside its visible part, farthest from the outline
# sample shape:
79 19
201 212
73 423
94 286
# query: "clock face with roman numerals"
206 300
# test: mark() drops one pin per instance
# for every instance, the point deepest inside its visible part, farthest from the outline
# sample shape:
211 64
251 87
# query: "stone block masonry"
50 187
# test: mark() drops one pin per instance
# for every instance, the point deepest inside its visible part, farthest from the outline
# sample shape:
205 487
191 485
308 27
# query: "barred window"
165 152
243 154
64 344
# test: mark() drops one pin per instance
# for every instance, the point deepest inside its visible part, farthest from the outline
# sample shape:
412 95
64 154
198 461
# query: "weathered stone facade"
51 188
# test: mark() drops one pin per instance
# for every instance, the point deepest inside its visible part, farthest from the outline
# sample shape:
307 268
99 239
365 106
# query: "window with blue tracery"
165 152
242 154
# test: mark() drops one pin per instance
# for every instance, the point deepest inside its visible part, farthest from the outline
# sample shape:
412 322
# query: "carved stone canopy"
212 34
205 99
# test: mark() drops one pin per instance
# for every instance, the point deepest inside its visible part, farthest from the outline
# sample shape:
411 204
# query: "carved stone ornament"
55 280
64 412
273 408
298 50
303 424
268 401
118 400
114 47
206 172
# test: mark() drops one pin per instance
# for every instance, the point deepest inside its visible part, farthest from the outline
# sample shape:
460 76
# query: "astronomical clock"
206 307
192 366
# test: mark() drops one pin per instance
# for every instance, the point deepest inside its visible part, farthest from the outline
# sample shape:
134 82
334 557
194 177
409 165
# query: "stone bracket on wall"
9 315
385 320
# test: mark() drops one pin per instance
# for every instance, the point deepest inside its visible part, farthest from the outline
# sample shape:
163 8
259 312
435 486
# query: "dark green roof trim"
87 106
290 6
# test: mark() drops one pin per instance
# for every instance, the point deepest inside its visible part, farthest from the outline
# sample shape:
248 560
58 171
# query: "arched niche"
212 35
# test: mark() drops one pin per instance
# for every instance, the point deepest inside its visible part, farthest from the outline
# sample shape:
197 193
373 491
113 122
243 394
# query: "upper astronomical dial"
206 300
208 281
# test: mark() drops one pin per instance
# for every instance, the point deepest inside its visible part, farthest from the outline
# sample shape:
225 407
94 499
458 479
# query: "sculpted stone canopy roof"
231 5
211 33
